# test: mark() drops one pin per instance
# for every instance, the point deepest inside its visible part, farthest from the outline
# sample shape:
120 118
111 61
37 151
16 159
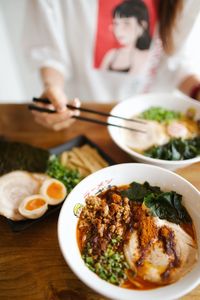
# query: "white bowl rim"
136 293
141 156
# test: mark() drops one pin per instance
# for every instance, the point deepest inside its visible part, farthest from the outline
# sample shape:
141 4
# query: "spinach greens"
165 205
176 149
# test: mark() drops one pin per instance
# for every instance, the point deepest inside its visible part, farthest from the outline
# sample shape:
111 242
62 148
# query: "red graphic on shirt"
124 32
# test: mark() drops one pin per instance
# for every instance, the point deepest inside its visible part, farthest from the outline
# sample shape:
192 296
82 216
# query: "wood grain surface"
31 264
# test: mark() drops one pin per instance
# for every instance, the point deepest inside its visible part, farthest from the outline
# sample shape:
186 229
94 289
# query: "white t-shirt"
89 42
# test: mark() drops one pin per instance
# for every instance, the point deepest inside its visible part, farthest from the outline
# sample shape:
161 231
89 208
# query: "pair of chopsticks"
92 111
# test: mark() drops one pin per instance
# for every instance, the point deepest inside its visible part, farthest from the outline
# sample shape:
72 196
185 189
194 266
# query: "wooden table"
31 264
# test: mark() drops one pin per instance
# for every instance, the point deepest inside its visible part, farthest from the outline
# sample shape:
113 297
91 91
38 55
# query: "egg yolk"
55 191
34 204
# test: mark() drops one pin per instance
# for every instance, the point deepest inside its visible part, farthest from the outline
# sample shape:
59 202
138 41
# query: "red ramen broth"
119 236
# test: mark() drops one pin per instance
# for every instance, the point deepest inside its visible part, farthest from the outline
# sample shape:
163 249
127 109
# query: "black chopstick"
51 111
106 123
41 109
92 111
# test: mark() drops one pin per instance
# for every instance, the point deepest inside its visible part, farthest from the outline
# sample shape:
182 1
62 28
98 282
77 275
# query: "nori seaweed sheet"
20 156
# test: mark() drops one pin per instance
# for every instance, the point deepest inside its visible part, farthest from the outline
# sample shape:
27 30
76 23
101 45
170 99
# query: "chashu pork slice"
185 249
160 263
14 187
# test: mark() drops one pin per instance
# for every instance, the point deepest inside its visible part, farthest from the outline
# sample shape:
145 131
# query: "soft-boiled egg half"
182 129
54 191
33 207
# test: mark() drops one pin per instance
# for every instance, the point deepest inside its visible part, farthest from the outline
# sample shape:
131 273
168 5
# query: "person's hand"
63 117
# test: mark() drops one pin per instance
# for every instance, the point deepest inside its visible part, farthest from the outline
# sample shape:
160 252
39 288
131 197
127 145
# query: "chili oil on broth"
125 245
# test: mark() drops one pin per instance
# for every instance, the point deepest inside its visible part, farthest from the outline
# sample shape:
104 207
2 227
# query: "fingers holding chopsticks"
58 122
60 119
57 97
51 121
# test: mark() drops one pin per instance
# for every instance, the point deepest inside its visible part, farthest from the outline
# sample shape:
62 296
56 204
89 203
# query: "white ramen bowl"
138 104
120 175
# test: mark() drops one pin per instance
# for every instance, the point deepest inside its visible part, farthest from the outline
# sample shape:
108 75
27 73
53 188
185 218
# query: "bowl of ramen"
130 231
170 125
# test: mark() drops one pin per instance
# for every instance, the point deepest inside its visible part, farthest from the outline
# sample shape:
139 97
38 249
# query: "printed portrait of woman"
131 30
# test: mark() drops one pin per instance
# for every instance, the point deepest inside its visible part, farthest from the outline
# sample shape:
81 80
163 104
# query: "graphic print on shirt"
124 32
